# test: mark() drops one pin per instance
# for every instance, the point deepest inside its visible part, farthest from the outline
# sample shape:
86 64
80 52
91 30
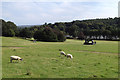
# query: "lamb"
69 56
15 58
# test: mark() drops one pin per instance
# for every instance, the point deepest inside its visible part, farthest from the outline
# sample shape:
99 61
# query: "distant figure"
92 41
34 41
89 42
95 42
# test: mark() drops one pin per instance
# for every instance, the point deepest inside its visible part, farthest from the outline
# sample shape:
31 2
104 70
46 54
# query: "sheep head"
60 50
21 59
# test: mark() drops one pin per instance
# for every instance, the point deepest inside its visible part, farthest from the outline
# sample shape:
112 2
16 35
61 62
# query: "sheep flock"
66 55
17 58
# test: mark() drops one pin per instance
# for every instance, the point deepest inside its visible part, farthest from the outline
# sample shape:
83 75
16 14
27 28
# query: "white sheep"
69 56
15 58
62 52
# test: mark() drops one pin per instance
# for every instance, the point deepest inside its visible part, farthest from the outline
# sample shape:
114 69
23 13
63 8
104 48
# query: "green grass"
41 59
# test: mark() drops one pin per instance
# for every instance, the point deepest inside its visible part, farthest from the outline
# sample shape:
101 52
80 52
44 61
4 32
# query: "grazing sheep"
62 52
15 58
69 56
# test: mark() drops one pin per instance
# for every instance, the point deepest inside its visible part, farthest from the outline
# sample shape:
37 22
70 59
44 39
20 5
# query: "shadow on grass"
12 62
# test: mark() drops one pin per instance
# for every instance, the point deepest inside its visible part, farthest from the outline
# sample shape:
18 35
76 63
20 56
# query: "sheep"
62 52
69 56
15 58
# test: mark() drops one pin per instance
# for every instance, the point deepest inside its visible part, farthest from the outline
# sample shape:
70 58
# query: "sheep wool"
69 56
62 53
15 58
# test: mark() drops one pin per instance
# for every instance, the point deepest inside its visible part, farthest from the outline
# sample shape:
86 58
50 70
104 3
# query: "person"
34 41
92 41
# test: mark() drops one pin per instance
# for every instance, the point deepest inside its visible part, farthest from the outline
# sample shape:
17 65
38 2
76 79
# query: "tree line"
40 33
107 29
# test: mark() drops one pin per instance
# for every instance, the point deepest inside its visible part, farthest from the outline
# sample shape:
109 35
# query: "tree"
25 32
81 36
39 35
11 33
12 26
60 36
49 35
46 35
9 29
73 30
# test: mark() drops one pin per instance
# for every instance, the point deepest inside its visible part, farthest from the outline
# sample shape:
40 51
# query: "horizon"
57 22
38 13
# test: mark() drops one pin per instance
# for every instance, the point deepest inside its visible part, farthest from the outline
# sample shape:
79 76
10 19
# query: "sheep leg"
11 60
18 60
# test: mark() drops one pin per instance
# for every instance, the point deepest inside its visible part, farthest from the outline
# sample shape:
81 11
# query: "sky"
119 9
36 12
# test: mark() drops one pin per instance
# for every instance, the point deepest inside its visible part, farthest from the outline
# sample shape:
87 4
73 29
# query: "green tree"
25 32
9 29
50 35
81 36
11 33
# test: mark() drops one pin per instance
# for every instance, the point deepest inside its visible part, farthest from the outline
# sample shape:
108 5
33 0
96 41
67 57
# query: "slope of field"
42 59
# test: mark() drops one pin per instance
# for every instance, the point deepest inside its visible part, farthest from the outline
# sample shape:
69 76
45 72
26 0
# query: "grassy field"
42 59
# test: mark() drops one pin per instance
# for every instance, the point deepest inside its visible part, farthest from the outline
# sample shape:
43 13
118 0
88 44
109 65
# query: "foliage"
25 33
81 36
11 33
107 29
49 35
94 28
8 28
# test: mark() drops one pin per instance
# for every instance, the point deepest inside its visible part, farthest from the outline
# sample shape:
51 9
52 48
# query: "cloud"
119 9
60 0
50 12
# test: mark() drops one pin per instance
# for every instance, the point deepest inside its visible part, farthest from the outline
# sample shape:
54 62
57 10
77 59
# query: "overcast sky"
37 12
